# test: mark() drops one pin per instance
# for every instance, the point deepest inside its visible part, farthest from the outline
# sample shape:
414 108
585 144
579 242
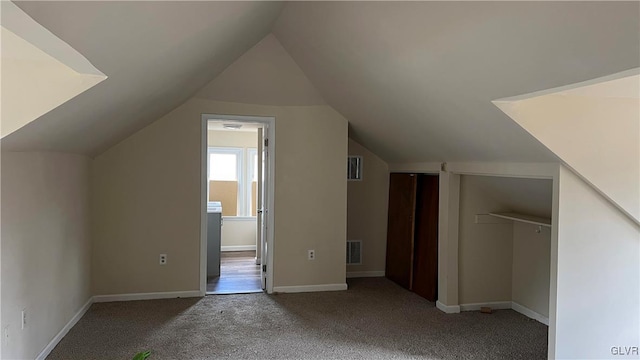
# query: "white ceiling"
414 79
156 55
218 125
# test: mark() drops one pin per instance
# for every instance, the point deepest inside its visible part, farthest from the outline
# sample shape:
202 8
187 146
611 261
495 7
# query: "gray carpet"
374 319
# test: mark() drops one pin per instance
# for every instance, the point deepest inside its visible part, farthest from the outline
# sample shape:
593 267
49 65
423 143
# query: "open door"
261 218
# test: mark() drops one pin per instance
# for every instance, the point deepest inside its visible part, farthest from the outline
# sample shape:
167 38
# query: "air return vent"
354 168
354 252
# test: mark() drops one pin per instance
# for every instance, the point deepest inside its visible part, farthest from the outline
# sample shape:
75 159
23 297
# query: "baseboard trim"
147 296
309 288
238 248
496 305
453 309
61 334
363 274
501 305
529 313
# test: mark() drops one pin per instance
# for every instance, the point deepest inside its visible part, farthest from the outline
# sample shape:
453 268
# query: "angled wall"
264 75
367 208
39 70
132 225
598 285
595 129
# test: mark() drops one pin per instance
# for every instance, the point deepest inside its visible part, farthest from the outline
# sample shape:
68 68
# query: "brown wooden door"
400 228
425 264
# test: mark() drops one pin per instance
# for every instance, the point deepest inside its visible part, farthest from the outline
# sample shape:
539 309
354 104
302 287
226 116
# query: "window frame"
244 170
239 153
251 152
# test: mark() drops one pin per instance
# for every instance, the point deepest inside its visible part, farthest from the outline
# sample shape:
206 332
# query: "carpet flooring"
239 274
374 319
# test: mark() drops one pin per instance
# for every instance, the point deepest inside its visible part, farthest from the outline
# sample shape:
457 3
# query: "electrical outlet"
163 259
311 255
24 319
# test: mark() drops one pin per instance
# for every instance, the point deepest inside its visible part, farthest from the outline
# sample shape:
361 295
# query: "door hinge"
264 268
266 142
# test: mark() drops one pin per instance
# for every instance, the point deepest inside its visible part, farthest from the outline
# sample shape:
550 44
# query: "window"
232 180
224 167
252 184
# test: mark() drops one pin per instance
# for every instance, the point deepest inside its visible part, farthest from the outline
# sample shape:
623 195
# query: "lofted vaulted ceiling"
156 55
414 79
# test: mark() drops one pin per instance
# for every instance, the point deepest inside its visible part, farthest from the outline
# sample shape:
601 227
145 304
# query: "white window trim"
251 152
239 152
239 218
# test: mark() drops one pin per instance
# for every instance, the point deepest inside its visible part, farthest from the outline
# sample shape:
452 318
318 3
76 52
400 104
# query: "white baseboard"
238 248
453 309
529 313
56 339
147 296
309 288
362 274
496 305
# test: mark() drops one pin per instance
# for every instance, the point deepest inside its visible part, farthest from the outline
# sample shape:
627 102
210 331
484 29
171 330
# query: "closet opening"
412 233
504 244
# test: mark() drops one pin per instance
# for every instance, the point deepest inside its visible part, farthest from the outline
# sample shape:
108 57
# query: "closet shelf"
523 218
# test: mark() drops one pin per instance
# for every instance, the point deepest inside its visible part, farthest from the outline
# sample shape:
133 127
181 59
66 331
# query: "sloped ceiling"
156 55
39 71
416 79
594 129
509 193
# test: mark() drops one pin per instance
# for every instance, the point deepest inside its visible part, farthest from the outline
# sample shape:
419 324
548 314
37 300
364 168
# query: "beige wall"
239 232
45 246
367 207
265 75
132 226
485 250
531 267
242 139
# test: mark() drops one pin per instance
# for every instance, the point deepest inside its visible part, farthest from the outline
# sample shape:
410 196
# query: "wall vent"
354 168
354 252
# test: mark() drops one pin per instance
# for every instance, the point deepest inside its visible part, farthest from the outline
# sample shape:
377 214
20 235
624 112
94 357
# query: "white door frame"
270 123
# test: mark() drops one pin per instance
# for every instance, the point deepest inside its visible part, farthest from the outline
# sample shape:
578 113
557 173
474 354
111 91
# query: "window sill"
239 218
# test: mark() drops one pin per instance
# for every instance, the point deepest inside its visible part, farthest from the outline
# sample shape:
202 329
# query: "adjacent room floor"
374 319
239 274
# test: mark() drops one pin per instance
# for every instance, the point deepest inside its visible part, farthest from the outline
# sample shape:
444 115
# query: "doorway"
236 196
